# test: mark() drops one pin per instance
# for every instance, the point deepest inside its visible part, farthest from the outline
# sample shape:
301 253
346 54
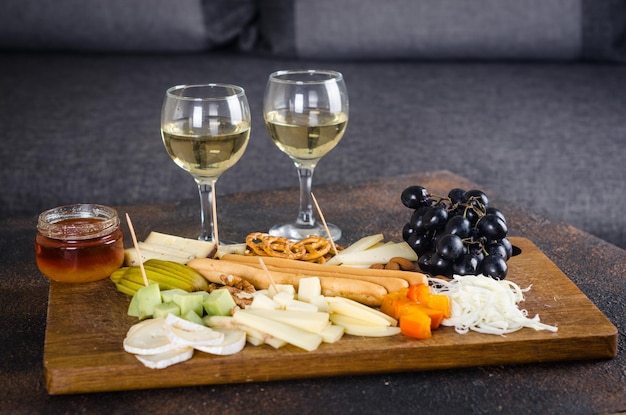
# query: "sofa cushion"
122 25
604 30
443 29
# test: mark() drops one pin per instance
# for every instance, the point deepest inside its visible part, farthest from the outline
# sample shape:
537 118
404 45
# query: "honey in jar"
79 243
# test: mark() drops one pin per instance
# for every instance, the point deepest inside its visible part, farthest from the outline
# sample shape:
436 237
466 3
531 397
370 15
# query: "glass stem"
305 214
208 230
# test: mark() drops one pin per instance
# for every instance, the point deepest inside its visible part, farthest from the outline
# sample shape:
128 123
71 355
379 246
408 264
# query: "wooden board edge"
62 381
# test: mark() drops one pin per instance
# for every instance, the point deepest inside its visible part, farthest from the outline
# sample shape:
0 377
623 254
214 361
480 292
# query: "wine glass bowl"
306 114
205 129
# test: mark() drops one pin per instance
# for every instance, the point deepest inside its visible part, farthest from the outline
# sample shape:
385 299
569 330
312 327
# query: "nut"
377 266
403 263
392 265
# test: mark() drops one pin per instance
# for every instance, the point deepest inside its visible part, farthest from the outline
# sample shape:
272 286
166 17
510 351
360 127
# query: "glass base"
221 242
297 232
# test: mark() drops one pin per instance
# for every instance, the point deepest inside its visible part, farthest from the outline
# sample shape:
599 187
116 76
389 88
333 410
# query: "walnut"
240 289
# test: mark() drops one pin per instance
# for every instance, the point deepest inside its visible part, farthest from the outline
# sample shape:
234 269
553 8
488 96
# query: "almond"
392 265
403 263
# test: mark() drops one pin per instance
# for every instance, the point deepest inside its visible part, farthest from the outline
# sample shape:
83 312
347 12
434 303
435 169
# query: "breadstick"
412 278
391 284
365 292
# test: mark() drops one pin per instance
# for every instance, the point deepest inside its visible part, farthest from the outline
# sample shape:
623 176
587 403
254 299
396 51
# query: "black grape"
457 196
508 246
450 247
423 261
495 211
439 265
459 234
498 249
459 225
494 266
407 231
435 218
420 243
492 226
476 249
414 197
417 220
467 264
477 195
469 212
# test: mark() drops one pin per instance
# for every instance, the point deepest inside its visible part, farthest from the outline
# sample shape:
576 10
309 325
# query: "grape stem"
473 203
477 206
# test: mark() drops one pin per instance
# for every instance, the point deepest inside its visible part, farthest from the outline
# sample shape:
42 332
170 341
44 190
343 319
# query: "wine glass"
205 130
306 114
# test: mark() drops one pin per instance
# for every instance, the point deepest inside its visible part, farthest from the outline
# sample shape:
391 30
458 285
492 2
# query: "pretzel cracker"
311 248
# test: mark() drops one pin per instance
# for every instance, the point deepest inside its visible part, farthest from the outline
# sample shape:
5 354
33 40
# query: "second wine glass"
205 129
306 114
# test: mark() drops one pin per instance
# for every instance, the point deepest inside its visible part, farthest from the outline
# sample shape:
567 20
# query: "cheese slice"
195 247
379 255
165 359
359 246
234 341
290 334
148 337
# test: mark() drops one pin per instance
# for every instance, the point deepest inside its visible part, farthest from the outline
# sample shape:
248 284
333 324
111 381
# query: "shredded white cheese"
486 305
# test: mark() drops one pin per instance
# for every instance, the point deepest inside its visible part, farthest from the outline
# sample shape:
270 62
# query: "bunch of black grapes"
456 235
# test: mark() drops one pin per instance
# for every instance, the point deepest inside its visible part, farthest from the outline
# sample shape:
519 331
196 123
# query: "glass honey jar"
79 243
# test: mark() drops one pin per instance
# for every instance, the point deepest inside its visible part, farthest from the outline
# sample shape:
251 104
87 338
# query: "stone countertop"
587 387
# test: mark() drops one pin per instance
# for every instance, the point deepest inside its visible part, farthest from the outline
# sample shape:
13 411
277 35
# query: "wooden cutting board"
87 324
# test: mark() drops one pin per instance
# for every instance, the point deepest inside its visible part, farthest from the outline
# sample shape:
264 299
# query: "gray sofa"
525 97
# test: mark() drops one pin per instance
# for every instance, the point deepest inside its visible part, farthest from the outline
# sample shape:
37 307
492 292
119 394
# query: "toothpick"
319 212
214 208
269 274
132 234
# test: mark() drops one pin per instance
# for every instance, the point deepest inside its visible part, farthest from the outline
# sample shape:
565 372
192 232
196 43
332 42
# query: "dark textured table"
588 387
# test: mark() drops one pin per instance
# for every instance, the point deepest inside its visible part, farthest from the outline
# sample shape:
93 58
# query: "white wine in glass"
205 130
306 114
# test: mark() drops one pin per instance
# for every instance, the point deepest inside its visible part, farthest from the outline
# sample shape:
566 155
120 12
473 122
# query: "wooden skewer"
269 274
136 245
214 209
319 211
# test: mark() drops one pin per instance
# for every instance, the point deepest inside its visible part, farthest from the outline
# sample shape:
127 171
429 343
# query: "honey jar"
79 243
